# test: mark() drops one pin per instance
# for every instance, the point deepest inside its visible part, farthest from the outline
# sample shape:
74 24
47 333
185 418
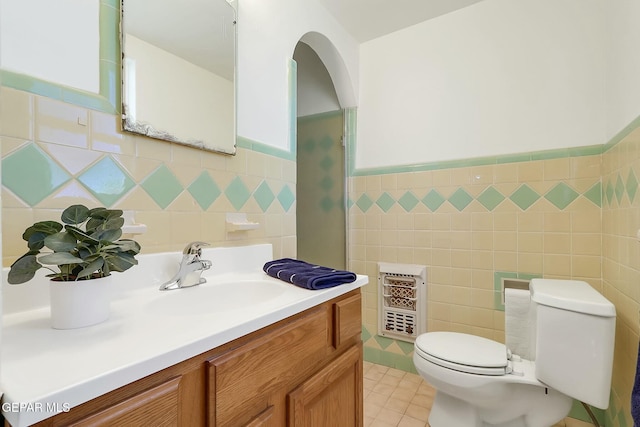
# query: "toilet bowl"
480 383
477 385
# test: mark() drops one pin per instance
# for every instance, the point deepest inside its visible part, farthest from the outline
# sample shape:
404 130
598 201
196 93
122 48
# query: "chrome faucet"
191 267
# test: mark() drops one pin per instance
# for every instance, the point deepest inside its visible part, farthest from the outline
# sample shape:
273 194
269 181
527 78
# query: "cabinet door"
331 397
249 379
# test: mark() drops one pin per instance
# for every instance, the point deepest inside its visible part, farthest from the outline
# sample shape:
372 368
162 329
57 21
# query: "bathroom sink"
217 297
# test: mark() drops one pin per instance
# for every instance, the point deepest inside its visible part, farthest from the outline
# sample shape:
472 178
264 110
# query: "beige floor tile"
394 398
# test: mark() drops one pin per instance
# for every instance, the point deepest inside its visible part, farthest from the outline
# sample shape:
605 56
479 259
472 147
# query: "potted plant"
86 248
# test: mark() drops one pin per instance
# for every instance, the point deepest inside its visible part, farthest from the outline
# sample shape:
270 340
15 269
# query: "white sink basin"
217 297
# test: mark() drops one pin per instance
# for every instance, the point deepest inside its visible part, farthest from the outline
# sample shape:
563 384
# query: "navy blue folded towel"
635 395
307 275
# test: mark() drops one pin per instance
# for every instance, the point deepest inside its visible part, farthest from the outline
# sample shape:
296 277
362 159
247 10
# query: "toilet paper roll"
519 323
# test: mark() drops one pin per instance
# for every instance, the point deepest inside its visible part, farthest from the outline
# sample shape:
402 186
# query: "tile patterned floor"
394 398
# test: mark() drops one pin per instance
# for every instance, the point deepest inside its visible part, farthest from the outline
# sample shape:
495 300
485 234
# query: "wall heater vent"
402 300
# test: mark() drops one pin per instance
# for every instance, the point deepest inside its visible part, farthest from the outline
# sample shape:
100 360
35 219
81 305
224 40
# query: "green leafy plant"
79 254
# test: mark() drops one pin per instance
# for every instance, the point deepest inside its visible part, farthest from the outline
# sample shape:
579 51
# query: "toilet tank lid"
573 295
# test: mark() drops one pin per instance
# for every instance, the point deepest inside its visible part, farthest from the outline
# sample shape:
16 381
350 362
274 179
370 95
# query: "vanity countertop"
45 371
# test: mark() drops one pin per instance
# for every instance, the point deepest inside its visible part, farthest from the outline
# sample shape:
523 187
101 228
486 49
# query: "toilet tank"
574 339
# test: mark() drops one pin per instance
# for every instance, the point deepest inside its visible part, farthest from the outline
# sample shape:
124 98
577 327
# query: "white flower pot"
80 303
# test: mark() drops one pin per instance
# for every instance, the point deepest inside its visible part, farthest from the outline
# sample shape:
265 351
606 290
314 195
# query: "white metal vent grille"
402 301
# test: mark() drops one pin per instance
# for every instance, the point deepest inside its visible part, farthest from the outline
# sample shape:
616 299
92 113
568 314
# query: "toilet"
481 383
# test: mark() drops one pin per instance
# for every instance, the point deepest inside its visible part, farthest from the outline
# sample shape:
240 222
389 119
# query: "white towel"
519 323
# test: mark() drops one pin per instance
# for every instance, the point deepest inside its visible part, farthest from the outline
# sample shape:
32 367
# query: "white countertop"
45 371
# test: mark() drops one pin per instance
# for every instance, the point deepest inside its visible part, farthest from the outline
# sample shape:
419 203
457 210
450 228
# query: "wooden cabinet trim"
138 408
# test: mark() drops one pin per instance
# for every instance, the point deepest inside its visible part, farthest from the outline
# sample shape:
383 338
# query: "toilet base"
449 411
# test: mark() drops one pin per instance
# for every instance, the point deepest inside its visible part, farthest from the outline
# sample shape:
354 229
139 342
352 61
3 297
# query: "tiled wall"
621 265
55 154
471 225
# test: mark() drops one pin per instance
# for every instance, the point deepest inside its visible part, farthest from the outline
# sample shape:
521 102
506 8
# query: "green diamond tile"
31 174
632 186
608 192
326 143
237 193
364 203
365 334
383 341
524 197
408 201
308 145
107 181
264 196
619 189
406 347
286 197
162 186
561 195
460 199
385 201
595 194
204 190
490 198
433 200
326 183
350 203
327 163
327 204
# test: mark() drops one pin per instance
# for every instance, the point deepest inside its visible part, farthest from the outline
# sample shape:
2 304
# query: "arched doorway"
321 215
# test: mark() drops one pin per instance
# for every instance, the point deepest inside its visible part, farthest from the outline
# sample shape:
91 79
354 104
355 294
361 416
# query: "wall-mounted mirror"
178 71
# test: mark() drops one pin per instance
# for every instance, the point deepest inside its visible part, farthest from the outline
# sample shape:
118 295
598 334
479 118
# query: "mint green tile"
365 334
237 193
327 204
264 196
308 145
107 181
460 199
204 190
286 197
327 183
608 192
632 186
524 197
371 355
327 163
350 203
406 347
561 195
31 174
385 202
162 186
364 203
490 198
497 287
384 342
433 200
595 194
619 189
408 201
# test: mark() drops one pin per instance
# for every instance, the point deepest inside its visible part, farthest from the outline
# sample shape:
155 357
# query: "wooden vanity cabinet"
304 370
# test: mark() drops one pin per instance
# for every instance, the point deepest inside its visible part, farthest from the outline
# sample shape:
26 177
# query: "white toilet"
480 383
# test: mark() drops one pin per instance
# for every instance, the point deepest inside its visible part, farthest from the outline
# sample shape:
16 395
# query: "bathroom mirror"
178 71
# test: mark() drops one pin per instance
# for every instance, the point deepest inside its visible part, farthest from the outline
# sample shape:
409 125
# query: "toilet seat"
464 353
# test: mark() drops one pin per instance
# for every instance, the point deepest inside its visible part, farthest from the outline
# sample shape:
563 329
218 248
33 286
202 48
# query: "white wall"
623 63
268 32
61 37
498 77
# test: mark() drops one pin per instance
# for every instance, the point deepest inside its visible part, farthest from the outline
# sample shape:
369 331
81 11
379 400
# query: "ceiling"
369 19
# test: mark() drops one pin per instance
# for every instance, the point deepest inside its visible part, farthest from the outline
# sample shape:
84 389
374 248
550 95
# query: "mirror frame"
154 131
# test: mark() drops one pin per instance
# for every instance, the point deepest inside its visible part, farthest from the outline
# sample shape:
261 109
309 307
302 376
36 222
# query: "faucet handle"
194 248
